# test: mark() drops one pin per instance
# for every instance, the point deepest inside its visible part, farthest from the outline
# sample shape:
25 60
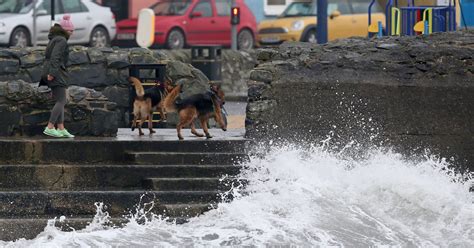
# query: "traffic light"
235 15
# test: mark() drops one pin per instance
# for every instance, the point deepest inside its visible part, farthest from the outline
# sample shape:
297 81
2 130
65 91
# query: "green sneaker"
52 132
65 134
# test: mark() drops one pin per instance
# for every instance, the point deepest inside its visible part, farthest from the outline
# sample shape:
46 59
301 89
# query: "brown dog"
145 102
203 106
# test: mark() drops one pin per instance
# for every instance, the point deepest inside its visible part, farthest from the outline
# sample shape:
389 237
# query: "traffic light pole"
52 11
233 32
322 21
33 36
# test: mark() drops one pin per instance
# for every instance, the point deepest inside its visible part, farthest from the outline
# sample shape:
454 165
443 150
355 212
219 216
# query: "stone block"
10 118
31 60
96 56
78 57
88 75
103 123
9 65
119 95
41 117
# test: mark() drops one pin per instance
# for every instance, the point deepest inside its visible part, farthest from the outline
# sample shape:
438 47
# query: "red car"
179 23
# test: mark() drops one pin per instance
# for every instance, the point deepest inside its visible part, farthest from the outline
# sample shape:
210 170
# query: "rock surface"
25 110
408 93
106 69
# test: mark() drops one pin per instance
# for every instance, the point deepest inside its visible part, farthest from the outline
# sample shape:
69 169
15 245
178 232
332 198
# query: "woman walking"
55 73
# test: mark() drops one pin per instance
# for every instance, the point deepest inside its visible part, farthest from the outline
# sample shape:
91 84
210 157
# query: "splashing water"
297 197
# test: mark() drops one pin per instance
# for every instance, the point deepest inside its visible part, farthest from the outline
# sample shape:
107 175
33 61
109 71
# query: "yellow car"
346 18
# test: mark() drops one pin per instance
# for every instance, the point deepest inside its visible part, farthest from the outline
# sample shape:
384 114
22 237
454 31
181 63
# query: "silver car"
94 24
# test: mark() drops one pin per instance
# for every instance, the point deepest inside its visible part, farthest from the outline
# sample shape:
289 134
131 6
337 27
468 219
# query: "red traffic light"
235 11
235 15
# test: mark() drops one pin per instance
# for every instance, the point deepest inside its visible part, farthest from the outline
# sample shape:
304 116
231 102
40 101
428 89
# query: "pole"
34 23
52 11
233 32
322 21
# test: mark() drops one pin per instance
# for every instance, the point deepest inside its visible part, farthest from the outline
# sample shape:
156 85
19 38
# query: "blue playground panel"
438 18
444 18
468 13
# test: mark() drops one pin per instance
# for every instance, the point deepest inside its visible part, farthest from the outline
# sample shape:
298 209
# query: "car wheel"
245 40
20 37
175 39
310 36
99 37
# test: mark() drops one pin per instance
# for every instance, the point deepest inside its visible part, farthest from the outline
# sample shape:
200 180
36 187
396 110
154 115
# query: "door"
223 27
43 21
81 18
340 26
201 24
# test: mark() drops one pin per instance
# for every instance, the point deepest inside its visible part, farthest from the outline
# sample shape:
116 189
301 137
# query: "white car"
94 24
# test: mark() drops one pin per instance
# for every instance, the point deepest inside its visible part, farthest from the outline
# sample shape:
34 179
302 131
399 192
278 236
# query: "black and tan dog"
145 102
202 106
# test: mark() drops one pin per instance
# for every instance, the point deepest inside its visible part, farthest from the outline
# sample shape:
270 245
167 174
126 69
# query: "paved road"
236 114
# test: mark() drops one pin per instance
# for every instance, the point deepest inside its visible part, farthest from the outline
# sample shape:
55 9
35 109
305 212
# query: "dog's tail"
169 102
138 86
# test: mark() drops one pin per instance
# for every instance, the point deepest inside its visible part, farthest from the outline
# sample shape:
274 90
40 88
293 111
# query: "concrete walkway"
125 134
235 130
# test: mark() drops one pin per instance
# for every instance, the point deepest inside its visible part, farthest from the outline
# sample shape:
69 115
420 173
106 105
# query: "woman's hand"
50 77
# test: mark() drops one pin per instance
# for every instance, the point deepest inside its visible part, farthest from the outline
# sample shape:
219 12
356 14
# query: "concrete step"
29 228
102 150
80 203
103 177
199 158
190 184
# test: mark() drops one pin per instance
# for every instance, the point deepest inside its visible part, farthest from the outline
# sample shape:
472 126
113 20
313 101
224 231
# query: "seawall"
411 94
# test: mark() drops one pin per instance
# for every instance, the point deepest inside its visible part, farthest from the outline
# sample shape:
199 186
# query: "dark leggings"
57 114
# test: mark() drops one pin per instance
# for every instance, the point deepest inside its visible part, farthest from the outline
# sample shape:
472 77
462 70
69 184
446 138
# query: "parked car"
94 24
298 21
179 23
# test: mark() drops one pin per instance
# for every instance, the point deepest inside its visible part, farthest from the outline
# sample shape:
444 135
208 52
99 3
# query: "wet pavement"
235 130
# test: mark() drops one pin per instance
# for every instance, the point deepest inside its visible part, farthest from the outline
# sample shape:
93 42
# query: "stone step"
103 177
199 158
102 150
190 184
29 228
80 203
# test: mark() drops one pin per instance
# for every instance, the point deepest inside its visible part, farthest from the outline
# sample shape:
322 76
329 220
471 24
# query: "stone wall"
409 93
105 70
25 110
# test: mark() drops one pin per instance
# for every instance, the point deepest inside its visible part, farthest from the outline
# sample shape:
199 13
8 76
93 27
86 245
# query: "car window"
223 7
340 5
46 5
15 6
84 7
171 7
72 6
308 8
205 7
362 6
300 9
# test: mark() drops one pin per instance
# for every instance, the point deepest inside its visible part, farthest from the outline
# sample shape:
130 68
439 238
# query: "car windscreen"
170 8
15 6
299 9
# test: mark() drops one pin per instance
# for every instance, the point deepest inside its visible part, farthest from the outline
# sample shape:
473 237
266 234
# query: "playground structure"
413 20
